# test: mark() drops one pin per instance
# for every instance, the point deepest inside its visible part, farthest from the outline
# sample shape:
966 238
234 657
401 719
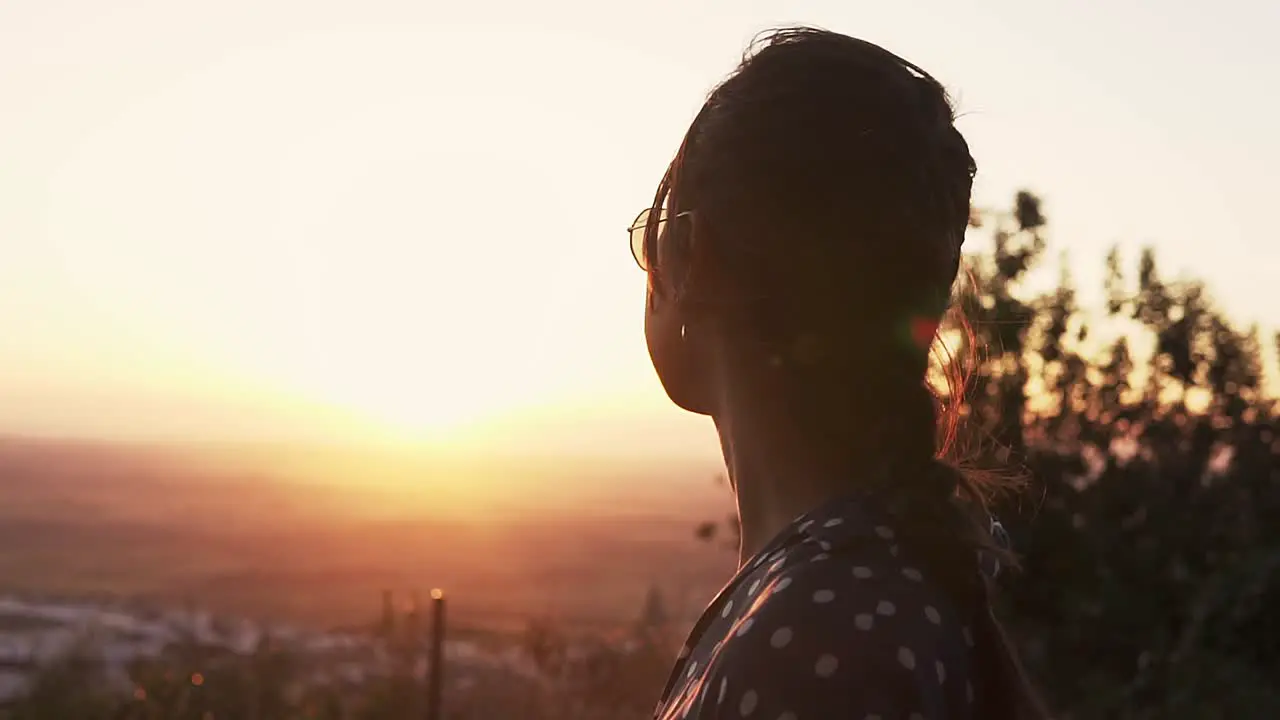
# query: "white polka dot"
728 608
833 522
942 671
862 573
884 532
826 546
932 613
724 686
693 667
820 556
907 658
745 625
864 622
824 596
748 703
893 550
781 584
805 525
755 585
826 666
968 637
912 574
781 637
776 566
886 608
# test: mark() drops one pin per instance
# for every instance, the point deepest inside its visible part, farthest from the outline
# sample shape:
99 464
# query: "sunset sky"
306 219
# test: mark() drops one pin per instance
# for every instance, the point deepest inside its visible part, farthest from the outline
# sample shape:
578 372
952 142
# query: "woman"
800 251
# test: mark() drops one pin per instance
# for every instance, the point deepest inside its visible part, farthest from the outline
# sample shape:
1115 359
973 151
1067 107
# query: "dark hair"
829 191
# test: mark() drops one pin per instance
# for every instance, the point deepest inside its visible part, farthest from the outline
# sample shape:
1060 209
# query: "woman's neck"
774 482
768 502
780 467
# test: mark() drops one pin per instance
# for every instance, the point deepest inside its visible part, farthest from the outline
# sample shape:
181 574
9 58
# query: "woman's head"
815 214
813 220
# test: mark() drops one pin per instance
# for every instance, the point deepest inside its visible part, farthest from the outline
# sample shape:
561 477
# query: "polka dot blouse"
830 620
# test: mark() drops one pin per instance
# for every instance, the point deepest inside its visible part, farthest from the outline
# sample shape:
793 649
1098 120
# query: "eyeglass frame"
642 223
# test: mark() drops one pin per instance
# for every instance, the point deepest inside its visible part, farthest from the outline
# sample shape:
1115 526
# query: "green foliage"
1148 541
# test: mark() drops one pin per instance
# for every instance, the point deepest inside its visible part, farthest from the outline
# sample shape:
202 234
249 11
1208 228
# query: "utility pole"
435 677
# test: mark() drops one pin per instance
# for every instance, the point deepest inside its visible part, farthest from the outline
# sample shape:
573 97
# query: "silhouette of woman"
800 252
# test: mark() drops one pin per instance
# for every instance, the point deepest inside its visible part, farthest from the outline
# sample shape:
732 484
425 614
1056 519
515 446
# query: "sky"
317 220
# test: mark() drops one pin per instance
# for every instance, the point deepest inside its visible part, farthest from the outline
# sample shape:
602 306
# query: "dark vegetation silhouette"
1149 529
1149 538
565 676
1147 532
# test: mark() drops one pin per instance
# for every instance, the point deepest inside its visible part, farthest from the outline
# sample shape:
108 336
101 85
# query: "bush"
1153 450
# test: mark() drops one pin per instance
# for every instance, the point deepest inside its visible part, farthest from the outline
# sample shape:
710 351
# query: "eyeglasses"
636 230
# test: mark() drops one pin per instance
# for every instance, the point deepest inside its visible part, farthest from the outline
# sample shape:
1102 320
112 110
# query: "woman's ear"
679 349
679 343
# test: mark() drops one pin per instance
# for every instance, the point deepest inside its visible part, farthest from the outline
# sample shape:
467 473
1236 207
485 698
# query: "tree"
1156 475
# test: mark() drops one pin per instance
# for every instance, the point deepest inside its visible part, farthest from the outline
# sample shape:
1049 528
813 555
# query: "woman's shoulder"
867 593
829 629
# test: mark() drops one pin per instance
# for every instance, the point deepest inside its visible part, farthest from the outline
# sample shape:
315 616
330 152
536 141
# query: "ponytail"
945 514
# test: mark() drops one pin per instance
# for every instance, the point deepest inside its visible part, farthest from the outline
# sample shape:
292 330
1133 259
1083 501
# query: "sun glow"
426 407
405 221
423 386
